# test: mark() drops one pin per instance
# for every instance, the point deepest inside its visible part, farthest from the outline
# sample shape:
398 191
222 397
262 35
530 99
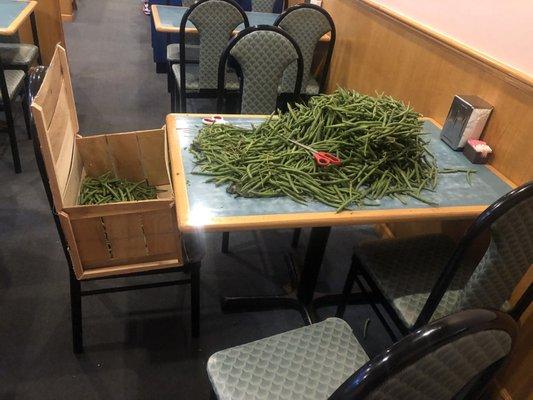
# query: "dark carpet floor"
137 343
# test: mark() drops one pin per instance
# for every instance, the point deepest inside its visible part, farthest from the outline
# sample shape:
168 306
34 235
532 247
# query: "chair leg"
296 237
76 314
12 137
348 286
26 112
195 300
225 242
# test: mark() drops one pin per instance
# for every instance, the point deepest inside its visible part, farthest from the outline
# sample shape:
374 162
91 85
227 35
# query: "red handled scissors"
322 158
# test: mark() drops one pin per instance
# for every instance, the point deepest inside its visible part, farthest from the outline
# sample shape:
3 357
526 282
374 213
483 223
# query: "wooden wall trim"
513 74
377 53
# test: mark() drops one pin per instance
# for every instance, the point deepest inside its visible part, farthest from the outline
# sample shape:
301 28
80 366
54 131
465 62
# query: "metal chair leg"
76 314
12 136
348 286
296 237
225 242
195 300
26 112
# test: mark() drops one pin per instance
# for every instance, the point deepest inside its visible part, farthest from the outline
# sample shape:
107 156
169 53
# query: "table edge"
17 22
298 220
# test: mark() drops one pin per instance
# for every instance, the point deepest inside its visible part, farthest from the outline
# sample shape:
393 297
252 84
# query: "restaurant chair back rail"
215 21
116 239
307 24
424 277
261 56
451 358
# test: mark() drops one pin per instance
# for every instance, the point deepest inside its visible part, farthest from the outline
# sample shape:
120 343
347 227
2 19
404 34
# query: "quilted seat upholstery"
263 5
18 55
192 78
306 363
192 53
14 80
442 373
405 270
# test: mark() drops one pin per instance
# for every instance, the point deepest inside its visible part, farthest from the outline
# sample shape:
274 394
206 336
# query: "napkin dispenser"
466 119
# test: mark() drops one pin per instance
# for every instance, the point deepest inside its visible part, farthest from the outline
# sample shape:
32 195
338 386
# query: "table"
204 206
13 13
168 19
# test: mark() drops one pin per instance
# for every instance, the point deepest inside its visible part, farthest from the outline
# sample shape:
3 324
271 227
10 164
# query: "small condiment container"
477 151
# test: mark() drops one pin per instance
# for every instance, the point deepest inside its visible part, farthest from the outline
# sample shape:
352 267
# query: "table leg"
35 37
302 301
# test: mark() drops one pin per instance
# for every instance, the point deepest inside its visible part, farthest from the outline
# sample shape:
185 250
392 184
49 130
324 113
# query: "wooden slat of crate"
94 152
154 166
124 151
125 235
91 240
161 232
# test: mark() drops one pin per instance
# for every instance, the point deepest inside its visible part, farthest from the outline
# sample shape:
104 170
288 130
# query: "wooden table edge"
15 25
159 27
297 220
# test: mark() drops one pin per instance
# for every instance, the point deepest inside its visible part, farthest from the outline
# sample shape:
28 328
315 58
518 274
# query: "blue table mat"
452 189
9 11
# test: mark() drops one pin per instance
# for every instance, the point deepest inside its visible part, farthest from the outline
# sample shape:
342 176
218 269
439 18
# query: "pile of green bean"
378 139
108 189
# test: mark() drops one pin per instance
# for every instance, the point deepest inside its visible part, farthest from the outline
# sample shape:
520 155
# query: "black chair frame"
179 100
331 44
423 342
5 106
76 290
480 225
226 57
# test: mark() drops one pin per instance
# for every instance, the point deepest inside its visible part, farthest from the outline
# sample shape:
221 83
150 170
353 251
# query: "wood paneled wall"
49 26
377 52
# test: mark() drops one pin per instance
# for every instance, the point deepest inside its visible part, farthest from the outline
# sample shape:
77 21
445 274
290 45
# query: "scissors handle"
325 159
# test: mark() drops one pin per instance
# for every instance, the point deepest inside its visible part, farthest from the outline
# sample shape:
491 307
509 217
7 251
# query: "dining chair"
266 6
11 86
451 358
260 56
215 21
307 23
421 278
192 250
173 50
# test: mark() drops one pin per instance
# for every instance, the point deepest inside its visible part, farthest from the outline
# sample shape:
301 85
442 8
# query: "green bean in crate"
379 141
108 189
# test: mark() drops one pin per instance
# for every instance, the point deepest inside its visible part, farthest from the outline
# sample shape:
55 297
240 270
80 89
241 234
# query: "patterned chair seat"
14 80
405 270
18 55
305 363
192 53
192 80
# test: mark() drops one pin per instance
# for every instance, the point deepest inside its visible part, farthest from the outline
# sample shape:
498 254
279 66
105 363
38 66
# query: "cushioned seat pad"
14 80
406 270
192 78
192 53
14 54
306 363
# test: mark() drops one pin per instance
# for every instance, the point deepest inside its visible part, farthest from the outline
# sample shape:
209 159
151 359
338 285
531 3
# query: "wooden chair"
452 358
425 277
114 240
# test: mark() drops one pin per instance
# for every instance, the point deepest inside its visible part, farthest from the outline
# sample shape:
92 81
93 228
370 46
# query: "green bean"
379 140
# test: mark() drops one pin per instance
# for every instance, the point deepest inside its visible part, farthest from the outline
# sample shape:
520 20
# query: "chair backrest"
215 21
187 3
307 23
455 355
266 6
262 54
506 261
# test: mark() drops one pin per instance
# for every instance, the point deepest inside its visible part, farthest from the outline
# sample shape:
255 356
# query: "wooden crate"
115 238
